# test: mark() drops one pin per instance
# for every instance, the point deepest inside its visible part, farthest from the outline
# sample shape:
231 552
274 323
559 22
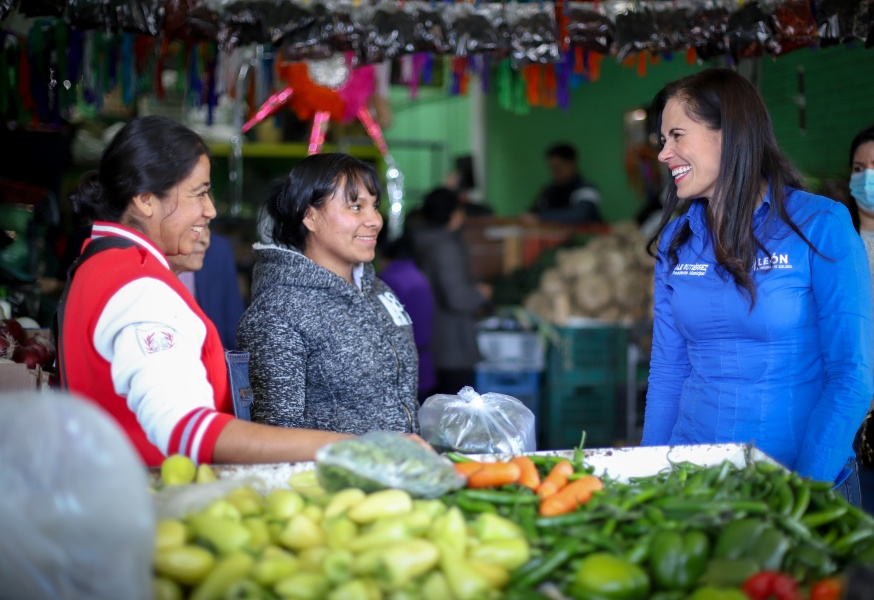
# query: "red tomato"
828 589
758 586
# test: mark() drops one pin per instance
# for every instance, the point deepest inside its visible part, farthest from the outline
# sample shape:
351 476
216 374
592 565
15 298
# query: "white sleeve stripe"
201 431
189 427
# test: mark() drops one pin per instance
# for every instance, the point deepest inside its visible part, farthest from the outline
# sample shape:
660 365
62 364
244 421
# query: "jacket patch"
695 269
154 337
395 309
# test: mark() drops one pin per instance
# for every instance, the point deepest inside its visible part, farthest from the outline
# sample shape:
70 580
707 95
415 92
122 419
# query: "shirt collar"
103 229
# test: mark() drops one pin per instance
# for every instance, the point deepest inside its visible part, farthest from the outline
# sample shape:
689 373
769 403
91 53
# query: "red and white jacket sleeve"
154 343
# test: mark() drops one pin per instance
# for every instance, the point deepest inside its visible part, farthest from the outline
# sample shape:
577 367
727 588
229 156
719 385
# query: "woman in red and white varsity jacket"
132 338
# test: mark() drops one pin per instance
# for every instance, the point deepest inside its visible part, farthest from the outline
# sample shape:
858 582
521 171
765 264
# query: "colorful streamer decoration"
270 106
320 128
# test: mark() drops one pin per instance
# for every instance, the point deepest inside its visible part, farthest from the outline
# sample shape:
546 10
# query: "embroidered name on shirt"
395 309
693 269
775 261
155 338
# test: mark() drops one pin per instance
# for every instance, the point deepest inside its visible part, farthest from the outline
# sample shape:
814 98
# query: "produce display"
609 278
18 344
535 526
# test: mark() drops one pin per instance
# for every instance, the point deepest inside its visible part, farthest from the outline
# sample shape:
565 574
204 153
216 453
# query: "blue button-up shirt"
794 374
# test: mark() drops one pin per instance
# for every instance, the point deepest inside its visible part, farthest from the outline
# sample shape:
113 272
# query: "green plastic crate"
598 355
569 409
586 375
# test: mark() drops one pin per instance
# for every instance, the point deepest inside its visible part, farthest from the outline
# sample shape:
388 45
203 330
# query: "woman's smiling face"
342 232
692 151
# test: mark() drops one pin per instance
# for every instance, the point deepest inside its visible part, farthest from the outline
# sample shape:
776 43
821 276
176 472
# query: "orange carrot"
468 468
556 479
530 478
573 495
494 475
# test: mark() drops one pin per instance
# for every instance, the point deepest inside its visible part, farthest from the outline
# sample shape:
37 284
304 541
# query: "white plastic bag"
474 424
76 519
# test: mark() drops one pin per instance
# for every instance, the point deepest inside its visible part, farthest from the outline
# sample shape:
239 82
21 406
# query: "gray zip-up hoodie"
324 354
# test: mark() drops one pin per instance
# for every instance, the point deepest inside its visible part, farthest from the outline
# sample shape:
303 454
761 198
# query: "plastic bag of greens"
76 516
382 459
474 424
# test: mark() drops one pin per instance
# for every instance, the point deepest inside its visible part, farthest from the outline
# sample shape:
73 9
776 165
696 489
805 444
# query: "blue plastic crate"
522 385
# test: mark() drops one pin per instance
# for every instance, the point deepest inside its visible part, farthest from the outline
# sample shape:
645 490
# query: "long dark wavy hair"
723 100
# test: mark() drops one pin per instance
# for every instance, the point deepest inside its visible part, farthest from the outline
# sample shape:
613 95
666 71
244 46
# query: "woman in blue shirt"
763 326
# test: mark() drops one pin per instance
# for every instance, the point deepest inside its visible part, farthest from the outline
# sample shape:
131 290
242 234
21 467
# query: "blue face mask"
862 188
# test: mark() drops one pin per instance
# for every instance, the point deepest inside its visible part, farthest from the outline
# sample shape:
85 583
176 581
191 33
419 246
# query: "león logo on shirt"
775 261
153 337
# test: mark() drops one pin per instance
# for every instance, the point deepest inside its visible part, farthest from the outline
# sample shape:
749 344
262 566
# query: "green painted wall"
839 85
839 98
426 135
515 166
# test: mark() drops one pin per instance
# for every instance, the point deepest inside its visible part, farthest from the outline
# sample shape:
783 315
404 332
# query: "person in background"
132 339
400 273
442 256
211 277
763 330
862 191
569 198
330 345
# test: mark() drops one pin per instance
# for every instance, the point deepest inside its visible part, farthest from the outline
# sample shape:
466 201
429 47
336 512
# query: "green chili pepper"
499 497
802 500
556 557
814 520
677 560
846 542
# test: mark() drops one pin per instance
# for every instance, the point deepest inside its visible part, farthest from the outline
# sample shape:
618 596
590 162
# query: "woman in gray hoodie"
330 345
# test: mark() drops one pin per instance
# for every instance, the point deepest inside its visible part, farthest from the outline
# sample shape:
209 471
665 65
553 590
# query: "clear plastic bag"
708 27
672 22
76 517
138 16
383 459
390 32
589 27
430 28
635 30
794 25
474 424
749 32
842 21
477 29
533 34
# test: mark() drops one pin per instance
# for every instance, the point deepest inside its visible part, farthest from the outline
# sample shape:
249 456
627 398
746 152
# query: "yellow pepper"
382 504
232 568
301 533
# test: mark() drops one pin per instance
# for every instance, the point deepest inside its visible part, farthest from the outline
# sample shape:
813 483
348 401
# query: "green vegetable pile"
687 529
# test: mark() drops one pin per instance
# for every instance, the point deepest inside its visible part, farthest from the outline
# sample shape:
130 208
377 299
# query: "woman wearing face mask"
862 190
330 346
763 328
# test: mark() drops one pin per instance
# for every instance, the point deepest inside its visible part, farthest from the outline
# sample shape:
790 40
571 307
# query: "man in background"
569 198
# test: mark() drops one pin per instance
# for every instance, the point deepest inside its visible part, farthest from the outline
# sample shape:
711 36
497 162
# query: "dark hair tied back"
149 155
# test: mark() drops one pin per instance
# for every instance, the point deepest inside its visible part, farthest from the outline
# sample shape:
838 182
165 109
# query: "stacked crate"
586 378
513 362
